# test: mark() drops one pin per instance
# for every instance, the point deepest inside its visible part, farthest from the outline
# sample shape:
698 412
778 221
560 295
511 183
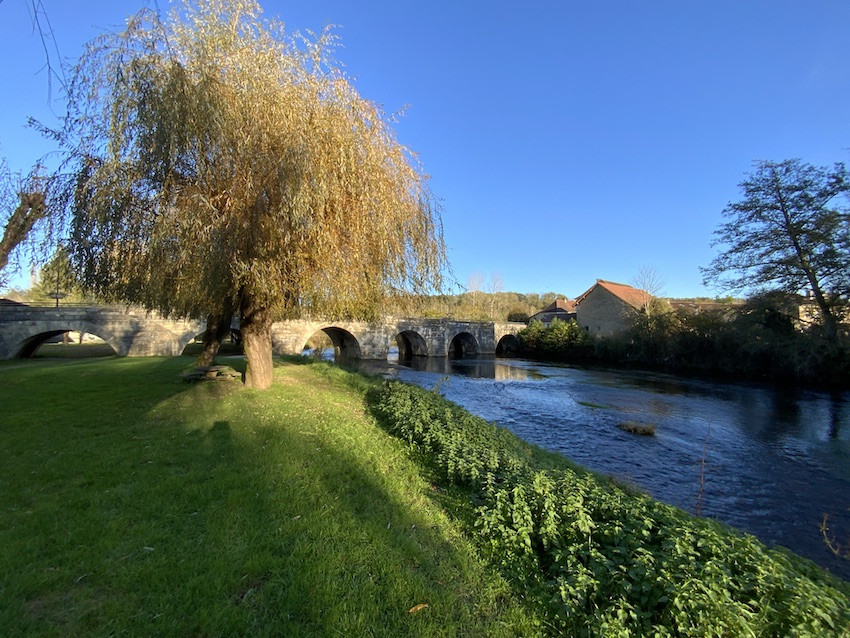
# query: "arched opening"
332 343
463 346
508 346
410 344
64 344
231 345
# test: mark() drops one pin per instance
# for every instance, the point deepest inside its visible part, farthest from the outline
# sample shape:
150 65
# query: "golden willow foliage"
221 162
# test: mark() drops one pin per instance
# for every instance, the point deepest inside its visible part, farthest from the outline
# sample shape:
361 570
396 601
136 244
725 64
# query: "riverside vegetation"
755 341
598 560
135 503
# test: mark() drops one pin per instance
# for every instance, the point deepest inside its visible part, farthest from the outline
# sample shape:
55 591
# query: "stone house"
609 308
563 309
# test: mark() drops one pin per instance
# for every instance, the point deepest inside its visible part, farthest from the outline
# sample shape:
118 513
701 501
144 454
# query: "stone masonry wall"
603 314
134 332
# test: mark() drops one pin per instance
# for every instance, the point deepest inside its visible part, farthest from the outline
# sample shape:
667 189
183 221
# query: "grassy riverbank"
334 505
133 503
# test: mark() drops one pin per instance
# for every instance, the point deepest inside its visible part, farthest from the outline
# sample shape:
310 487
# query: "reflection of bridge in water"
480 367
134 332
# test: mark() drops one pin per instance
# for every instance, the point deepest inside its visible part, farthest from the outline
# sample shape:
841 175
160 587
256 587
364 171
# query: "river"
771 462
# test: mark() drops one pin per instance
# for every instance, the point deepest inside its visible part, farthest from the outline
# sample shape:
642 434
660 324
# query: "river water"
771 462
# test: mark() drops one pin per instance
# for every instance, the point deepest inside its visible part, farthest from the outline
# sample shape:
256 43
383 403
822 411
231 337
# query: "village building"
609 308
563 309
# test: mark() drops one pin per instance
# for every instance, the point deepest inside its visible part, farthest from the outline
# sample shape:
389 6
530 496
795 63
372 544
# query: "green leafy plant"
599 560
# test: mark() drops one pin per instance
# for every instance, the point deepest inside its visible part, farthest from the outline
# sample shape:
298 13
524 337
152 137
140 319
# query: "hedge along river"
770 462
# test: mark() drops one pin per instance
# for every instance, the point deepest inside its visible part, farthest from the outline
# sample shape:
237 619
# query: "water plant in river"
835 546
596 406
635 427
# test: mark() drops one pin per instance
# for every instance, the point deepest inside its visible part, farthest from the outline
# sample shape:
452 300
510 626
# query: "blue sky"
568 141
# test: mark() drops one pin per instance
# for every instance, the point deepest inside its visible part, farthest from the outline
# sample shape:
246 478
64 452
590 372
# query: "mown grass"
133 503
74 351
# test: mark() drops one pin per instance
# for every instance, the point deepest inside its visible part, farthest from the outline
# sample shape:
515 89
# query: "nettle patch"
601 561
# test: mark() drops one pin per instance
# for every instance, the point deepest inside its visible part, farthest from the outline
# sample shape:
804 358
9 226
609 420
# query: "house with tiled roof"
563 309
608 308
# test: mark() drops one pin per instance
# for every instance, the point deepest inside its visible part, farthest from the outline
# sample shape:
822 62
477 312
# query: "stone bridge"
134 332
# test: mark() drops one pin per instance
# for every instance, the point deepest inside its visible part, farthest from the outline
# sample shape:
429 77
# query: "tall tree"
650 280
495 285
22 206
788 233
57 281
221 163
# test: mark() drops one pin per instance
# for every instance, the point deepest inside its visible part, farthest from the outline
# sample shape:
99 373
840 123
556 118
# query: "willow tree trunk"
256 327
31 208
218 326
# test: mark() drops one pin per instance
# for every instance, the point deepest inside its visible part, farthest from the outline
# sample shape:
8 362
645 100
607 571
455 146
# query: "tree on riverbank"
221 165
789 234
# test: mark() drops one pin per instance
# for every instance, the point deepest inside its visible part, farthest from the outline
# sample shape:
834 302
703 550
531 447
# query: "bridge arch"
411 344
345 344
26 339
508 345
463 345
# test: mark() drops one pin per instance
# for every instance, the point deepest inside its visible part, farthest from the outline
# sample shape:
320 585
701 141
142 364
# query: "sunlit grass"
133 503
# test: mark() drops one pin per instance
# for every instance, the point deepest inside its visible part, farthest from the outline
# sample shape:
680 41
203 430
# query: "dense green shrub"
559 341
604 562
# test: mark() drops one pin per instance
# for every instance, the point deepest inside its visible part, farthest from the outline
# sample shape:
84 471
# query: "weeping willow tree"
221 164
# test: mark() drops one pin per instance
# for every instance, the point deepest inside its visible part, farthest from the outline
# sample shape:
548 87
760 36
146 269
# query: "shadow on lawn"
334 550
147 505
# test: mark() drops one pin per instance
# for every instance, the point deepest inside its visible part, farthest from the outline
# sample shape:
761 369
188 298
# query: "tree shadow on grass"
207 516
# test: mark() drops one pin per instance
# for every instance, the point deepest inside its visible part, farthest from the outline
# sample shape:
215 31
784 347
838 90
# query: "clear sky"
568 141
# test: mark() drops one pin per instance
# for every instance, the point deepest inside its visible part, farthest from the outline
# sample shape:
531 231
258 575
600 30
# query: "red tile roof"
635 297
567 305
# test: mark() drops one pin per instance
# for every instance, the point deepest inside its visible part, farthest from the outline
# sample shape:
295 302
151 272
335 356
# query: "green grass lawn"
74 351
133 503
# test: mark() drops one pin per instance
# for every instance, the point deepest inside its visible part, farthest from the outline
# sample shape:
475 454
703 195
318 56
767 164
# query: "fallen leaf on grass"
416 608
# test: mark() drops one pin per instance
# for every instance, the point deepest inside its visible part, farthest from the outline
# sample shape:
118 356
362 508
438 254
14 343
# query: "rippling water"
776 460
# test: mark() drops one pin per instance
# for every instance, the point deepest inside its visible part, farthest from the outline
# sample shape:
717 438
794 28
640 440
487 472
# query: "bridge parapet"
129 331
134 332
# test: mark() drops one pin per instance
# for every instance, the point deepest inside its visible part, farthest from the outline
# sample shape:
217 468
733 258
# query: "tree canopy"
789 233
222 163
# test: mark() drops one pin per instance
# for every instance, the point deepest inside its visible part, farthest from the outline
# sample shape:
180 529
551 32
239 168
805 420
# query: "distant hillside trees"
472 305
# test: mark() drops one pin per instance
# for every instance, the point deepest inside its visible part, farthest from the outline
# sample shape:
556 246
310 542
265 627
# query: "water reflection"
479 368
837 414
